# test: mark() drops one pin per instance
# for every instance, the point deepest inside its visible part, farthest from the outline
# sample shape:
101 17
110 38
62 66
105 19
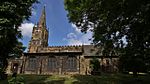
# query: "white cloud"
72 39
71 36
26 29
85 38
76 28
74 42
78 38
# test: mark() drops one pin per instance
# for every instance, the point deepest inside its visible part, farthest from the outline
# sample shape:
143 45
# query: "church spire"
42 21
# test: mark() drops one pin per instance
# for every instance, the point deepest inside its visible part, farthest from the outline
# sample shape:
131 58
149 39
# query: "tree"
120 25
95 66
12 14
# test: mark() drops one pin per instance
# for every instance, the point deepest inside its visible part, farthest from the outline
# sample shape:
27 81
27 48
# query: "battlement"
72 48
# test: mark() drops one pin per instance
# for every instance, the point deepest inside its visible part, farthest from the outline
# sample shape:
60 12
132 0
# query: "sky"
61 32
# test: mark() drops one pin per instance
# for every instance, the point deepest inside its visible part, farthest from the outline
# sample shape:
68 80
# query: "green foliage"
84 79
95 64
16 80
12 14
121 26
18 50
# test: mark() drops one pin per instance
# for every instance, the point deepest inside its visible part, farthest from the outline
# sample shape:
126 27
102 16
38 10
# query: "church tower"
39 37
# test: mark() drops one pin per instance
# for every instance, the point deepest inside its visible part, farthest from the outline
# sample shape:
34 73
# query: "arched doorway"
14 68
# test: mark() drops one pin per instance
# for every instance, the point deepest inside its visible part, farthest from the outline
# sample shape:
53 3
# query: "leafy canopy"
12 14
120 25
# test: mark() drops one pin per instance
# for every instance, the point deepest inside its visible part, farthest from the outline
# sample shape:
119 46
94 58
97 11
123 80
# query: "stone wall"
107 65
42 64
86 53
11 65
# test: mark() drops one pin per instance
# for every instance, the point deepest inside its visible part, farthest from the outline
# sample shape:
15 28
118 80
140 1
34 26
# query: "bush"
3 76
16 80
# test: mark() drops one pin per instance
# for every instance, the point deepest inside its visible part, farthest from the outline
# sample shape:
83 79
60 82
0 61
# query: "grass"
82 79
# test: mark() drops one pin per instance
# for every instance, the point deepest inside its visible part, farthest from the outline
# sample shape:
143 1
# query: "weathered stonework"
44 59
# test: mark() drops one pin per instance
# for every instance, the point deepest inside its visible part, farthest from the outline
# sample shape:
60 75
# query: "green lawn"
81 79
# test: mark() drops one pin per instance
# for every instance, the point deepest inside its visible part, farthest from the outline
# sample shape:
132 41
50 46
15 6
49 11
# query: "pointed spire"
42 21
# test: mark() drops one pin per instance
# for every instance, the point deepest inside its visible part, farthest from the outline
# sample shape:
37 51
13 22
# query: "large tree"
120 25
12 14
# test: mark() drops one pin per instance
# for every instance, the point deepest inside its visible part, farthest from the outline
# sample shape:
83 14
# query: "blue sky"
61 32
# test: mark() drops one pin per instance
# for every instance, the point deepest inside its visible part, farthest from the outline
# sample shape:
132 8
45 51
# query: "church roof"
52 53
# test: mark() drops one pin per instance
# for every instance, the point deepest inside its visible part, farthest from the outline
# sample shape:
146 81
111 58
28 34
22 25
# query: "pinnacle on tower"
42 21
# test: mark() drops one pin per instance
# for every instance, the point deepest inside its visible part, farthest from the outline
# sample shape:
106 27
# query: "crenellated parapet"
74 48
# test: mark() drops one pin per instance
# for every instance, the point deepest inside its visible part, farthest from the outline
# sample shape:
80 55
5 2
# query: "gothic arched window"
72 63
32 64
51 63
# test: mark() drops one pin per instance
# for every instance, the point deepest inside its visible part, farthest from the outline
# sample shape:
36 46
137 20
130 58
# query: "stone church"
44 59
